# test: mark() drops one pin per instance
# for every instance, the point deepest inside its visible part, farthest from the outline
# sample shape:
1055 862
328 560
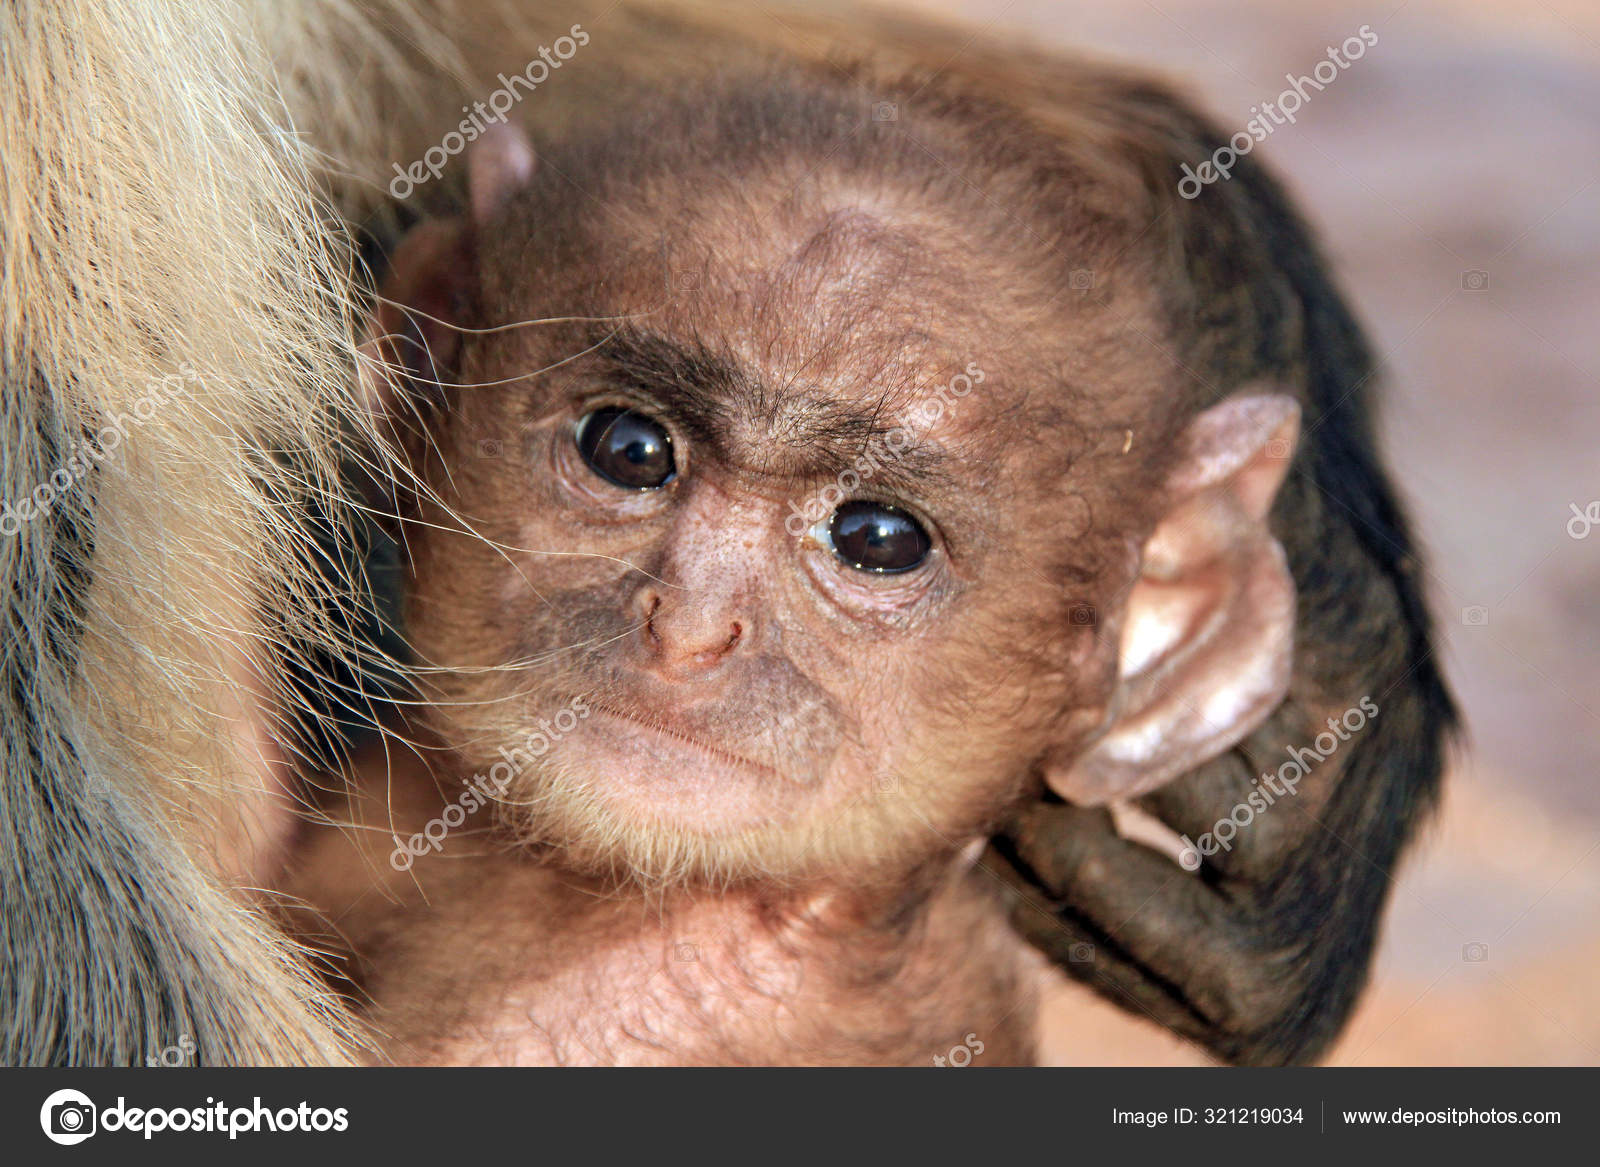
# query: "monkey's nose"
685 637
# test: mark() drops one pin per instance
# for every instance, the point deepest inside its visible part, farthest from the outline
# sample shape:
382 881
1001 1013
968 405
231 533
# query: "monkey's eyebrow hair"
811 434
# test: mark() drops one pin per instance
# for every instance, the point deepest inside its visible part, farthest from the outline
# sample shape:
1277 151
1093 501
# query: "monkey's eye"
874 536
626 448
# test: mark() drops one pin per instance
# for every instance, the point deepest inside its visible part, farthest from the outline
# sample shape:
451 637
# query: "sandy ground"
1466 141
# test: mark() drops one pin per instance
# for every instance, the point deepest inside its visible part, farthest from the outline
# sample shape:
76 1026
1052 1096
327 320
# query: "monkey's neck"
743 978
478 955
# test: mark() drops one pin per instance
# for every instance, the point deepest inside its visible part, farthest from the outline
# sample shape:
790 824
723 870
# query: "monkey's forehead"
835 295
838 288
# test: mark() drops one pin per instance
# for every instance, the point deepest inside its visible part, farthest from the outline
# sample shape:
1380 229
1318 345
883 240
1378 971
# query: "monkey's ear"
432 275
1207 637
412 334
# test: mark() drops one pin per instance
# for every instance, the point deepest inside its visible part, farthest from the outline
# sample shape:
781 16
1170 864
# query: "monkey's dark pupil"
873 536
626 448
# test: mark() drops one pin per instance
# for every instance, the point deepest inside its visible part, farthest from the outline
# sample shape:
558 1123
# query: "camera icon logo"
885 111
1475 953
68 1117
1080 280
1475 617
1082 615
491 448
1081 953
1278 449
685 953
1475 280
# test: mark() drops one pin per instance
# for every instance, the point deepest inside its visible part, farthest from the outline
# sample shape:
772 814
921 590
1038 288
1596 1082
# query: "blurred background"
1454 172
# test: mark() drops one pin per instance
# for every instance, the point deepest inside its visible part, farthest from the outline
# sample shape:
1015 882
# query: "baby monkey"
804 499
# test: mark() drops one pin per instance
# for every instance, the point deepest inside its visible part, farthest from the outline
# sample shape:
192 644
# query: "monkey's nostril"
712 655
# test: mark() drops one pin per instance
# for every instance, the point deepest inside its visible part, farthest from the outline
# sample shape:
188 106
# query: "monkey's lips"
661 769
680 737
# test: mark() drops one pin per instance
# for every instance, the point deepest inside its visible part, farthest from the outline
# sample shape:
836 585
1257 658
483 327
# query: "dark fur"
1263 961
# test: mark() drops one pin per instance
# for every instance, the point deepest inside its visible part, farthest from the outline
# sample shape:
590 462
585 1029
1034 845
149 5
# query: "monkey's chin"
653 809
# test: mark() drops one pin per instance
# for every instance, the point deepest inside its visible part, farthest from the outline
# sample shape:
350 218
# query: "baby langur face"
775 606
746 583
803 565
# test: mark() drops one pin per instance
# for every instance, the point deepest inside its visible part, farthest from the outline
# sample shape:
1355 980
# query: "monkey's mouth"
715 753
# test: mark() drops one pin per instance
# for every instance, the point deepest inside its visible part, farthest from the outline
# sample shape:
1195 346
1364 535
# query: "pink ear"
1207 631
1245 441
499 164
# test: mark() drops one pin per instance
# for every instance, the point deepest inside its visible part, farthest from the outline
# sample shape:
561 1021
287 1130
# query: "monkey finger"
1187 946
1227 825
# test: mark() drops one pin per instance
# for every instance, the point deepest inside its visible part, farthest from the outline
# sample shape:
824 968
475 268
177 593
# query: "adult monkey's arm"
169 308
